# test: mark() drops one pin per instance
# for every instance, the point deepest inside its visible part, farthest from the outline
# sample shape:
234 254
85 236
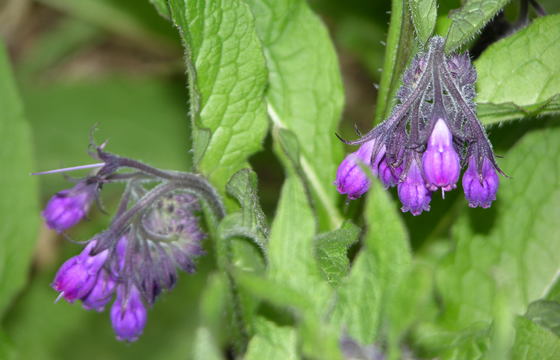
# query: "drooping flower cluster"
153 233
431 134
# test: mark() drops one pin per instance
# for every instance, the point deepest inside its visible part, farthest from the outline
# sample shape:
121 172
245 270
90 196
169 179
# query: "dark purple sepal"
387 177
77 276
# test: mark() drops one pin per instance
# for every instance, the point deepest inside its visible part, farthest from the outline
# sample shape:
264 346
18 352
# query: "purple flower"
78 275
128 314
480 193
101 293
350 178
387 177
440 161
413 193
69 206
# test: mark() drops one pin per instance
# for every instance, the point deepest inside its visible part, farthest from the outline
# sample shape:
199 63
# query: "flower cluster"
432 133
153 233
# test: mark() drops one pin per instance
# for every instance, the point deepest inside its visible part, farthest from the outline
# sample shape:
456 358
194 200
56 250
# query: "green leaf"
332 249
472 342
520 76
363 298
399 47
237 254
304 93
514 245
546 314
243 187
533 342
19 208
469 19
412 302
424 17
291 247
272 342
162 8
227 78
205 346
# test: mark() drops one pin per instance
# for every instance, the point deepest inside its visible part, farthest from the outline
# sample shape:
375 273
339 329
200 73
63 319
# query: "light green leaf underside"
424 16
332 249
469 19
399 47
304 93
362 297
227 78
19 208
515 245
520 76
272 342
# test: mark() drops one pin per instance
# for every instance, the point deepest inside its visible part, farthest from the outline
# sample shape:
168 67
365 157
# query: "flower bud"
128 314
69 206
440 160
476 193
350 178
413 193
101 292
387 177
78 275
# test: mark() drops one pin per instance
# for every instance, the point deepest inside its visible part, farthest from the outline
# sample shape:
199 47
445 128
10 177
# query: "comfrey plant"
432 133
153 233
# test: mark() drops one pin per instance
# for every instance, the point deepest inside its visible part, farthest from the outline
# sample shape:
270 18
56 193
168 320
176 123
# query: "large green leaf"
363 299
399 47
514 245
304 93
227 77
272 342
546 314
533 342
469 19
520 76
19 208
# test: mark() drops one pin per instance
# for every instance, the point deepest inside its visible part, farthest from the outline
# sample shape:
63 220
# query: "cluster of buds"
153 233
432 133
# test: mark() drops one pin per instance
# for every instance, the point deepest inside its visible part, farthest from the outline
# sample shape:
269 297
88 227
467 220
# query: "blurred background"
118 64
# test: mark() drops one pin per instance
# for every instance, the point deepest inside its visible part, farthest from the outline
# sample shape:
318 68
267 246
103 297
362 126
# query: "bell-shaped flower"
128 314
78 275
69 206
440 161
413 193
350 177
101 293
480 193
